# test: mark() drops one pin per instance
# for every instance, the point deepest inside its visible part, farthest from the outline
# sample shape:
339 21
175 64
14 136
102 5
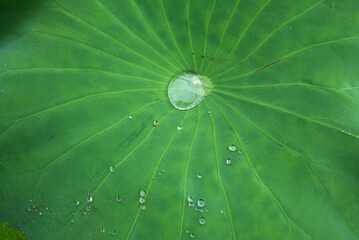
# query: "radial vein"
252 167
219 174
290 150
286 56
269 35
172 35
287 112
206 34
223 35
186 171
71 15
132 33
85 46
153 33
243 34
75 101
153 174
120 162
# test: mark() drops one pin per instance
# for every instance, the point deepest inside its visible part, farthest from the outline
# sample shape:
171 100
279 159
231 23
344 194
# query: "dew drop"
130 117
190 199
232 148
209 112
114 232
202 220
187 230
89 199
40 213
186 90
190 204
143 207
88 208
142 193
112 169
77 203
228 161
199 176
155 123
239 151
222 211
179 128
192 235
142 200
119 199
102 230
201 202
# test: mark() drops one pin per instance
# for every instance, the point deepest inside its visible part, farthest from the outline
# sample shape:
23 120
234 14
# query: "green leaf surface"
82 83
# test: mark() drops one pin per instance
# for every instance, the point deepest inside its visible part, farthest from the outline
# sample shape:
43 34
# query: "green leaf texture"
82 82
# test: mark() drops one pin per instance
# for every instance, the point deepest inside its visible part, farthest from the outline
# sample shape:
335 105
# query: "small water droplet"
179 128
143 207
190 199
209 112
40 213
5 65
239 151
112 169
192 235
187 230
46 208
222 211
102 230
89 199
202 220
232 148
163 170
190 204
119 199
199 176
155 123
229 161
88 208
142 193
89 193
201 202
114 232
130 117
142 200
77 203
72 221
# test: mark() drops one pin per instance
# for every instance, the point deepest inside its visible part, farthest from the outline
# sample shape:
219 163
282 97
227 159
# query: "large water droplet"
142 200
186 90
202 220
142 193
179 128
201 202
90 199
232 148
